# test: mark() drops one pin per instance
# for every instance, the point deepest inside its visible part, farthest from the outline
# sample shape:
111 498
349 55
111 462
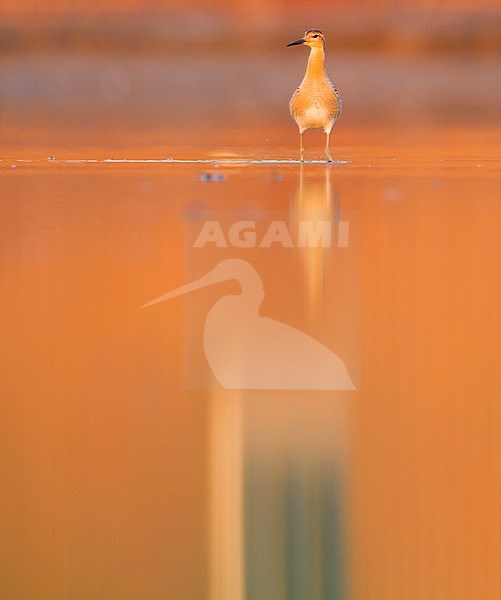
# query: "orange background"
105 474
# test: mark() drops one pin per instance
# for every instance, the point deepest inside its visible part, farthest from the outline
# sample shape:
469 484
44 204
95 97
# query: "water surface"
112 459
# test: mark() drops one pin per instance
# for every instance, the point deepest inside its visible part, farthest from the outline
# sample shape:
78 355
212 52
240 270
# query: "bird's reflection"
276 440
315 200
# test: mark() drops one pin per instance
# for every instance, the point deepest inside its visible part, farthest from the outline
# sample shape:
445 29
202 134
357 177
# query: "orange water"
106 475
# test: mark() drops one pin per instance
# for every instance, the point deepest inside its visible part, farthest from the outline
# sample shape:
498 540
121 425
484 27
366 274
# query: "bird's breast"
315 104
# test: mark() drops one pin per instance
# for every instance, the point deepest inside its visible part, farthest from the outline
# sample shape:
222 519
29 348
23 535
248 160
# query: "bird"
248 351
317 102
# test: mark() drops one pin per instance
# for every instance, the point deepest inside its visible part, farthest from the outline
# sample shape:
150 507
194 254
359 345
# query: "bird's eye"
315 36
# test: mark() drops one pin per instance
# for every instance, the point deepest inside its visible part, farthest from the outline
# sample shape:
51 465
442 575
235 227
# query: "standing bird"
316 103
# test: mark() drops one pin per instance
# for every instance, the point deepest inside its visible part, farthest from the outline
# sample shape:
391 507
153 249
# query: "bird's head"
313 38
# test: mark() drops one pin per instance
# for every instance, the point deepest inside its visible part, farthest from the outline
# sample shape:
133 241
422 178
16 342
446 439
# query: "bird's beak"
297 42
208 279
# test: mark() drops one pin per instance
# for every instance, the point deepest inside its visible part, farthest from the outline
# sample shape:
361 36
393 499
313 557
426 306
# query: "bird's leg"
301 148
327 150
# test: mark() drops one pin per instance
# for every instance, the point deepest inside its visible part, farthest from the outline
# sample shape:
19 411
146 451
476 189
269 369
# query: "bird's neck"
316 63
252 296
